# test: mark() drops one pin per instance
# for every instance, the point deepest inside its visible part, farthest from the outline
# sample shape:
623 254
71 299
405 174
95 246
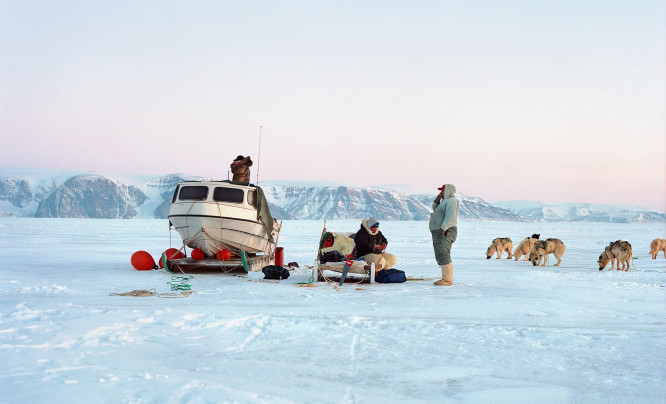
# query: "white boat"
222 215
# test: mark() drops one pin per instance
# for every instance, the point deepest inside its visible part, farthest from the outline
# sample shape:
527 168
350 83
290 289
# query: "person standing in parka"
240 168
371 244
444 229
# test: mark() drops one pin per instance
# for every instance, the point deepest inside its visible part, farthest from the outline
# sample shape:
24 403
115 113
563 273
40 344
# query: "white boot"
447 276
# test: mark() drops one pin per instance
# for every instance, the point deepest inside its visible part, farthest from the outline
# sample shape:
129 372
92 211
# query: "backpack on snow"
390 276
275 272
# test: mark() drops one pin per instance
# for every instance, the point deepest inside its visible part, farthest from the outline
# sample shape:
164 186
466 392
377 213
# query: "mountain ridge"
70 193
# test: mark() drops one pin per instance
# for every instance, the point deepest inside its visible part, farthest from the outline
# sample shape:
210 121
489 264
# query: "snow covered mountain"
583 212
49 193
473 208
343 202
77 194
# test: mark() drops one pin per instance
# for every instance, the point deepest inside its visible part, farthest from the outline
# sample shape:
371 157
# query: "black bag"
390 276
275 272
331 256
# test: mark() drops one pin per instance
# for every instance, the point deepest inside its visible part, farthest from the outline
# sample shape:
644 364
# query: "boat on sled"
214 216
330 269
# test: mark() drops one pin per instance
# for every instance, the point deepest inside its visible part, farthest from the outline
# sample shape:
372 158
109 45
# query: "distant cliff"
341 202
92 196
583 212
472 208
46 193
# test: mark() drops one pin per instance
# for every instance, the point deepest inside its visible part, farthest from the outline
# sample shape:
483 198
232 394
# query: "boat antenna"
259 156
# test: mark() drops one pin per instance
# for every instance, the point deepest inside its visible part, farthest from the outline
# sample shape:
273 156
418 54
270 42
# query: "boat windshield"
193 193
234 195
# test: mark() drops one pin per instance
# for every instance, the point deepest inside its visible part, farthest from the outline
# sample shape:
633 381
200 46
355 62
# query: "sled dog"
525 246
617 250
498 246
542 248
658 244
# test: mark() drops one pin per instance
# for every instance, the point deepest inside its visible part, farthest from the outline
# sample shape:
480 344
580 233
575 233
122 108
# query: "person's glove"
439 198
441 233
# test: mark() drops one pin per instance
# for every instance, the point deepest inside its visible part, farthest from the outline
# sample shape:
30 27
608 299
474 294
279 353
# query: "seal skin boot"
447 276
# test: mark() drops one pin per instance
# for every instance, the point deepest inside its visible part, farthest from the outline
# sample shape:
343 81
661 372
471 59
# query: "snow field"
505 332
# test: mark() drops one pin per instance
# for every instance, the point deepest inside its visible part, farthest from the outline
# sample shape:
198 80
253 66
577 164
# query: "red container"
279 256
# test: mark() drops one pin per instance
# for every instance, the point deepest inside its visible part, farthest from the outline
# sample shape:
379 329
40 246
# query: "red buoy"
174 254
142 261
197 254
223 255
171 254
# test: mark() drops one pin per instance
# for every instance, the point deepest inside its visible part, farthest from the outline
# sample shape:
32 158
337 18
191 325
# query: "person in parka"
371 244
240 168
444 229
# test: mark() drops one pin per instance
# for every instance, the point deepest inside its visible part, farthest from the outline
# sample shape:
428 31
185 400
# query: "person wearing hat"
371 244
240 168
444 229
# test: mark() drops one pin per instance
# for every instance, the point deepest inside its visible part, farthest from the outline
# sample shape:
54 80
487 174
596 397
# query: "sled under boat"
212 265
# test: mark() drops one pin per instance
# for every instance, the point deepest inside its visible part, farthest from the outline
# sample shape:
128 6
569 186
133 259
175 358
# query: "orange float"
142 261
171 254
223 255
197 254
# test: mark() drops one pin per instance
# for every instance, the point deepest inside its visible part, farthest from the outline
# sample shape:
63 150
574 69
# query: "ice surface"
506 332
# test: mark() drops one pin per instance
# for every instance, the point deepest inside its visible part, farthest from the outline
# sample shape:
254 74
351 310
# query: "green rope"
180 283
306 283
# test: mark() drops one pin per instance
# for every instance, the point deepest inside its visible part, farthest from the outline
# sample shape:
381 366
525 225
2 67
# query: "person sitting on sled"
240 168
371 244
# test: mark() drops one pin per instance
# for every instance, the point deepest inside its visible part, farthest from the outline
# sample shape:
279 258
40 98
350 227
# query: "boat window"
193 193
252 198
175 194
234 195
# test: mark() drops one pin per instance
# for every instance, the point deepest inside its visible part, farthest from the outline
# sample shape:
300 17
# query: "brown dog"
617 250
524 248
658 244
498 246
542 248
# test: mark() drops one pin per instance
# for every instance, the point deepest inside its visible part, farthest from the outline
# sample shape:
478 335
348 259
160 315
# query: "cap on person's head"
372 222
239 158
442 187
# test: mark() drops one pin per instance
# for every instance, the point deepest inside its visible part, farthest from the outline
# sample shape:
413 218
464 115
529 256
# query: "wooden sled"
332 271
234 265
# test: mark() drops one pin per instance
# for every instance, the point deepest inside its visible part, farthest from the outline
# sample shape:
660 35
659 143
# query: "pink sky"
556 102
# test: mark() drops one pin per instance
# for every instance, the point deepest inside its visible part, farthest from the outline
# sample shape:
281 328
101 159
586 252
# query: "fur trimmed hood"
364 223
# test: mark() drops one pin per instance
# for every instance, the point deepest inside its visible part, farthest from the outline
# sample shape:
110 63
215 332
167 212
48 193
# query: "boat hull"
212 234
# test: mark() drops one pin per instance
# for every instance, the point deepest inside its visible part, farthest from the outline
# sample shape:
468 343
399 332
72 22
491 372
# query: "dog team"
537 251
534 250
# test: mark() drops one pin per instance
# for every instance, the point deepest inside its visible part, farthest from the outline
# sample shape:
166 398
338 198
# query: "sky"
555 101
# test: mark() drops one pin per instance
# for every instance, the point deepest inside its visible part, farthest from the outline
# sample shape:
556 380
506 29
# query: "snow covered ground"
506 332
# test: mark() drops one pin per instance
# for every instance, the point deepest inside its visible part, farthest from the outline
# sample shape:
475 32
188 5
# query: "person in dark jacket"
371 244
240 168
